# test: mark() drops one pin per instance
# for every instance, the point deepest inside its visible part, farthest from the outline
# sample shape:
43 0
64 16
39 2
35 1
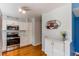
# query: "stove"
13 38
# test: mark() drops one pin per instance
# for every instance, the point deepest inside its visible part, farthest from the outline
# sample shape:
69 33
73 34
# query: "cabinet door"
49 47
11 22
54 47
58 48
22 25
24 39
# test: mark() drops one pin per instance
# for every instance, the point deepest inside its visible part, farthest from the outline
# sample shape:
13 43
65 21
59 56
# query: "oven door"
13 41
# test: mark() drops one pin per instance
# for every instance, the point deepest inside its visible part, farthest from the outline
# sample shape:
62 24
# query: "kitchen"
24 24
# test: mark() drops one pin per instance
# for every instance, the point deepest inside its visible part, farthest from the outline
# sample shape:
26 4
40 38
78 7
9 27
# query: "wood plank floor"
26 51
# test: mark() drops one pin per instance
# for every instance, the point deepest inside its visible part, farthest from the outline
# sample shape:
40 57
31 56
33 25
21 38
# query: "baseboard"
36 44
26 45
44 53
3 51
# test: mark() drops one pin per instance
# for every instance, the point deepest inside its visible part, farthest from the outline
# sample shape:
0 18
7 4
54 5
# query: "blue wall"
75 31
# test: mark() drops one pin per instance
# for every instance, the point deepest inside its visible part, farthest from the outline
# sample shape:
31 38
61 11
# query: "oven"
13 38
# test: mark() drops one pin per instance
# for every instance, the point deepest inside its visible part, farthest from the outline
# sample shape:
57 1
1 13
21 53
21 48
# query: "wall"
36 31
63 14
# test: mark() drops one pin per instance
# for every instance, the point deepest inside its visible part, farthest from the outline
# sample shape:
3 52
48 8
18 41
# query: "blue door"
76 39
75 30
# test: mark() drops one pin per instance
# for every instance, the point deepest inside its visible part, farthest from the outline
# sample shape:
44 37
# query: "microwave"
13 27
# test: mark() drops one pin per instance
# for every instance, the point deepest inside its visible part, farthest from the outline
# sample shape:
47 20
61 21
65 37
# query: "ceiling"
36 8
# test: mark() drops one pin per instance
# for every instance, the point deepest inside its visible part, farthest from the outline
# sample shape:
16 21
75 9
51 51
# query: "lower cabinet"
54 47
49 47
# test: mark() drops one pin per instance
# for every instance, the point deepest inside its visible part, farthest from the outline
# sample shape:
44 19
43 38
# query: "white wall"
36 31
63 14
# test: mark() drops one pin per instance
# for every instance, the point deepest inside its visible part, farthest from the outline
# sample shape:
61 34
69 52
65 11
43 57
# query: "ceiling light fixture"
23 10
20 10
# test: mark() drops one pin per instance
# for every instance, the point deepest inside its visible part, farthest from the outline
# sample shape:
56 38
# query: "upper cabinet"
11 21
23 26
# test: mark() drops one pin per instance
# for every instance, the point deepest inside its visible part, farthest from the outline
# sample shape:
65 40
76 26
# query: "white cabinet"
22 25
58 48
4 41
48 47
54 47
24 39
25 31
25 34
11 22
4 24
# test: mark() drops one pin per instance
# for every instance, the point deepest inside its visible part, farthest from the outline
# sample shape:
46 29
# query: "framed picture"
53 24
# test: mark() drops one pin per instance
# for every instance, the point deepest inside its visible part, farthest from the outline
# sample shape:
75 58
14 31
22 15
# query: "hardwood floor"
26 51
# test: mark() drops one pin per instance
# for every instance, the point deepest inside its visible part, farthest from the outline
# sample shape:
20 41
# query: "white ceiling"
37 9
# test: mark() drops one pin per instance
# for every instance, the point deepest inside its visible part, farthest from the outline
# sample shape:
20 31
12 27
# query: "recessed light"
23 11
20 9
